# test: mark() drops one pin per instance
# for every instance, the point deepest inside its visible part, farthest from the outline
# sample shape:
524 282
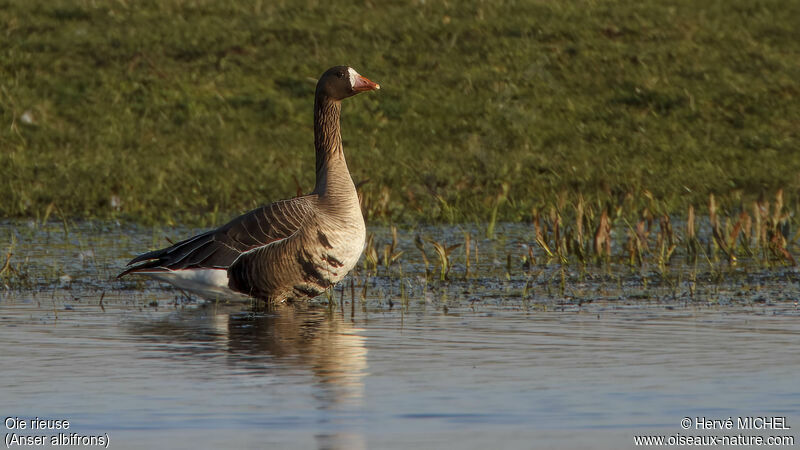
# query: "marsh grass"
14 271
644 253
765 237
191 111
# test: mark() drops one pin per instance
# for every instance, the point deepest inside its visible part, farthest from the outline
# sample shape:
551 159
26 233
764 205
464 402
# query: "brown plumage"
290 249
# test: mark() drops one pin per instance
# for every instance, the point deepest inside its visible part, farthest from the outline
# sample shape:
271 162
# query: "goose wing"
218 249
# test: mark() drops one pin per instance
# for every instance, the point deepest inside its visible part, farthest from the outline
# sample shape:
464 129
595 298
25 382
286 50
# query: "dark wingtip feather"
155 254
152 266
151 259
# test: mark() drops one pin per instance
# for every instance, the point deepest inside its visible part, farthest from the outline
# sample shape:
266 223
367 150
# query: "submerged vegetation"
531 266
190 111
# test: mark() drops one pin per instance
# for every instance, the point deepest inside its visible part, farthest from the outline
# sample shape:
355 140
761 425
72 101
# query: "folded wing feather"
218 249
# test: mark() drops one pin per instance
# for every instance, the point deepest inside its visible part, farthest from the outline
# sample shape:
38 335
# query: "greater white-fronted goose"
290 249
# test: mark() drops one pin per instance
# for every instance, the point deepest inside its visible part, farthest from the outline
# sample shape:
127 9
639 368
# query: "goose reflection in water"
282 344
305 338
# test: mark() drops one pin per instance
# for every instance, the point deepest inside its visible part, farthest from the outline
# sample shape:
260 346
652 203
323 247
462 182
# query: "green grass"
194 110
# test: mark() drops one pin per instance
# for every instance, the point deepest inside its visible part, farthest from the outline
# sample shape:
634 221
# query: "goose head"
341 82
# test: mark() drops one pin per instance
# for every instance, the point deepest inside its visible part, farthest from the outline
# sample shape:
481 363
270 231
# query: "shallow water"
464 364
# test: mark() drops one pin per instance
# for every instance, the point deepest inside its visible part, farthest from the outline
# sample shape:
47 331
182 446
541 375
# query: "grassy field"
190 111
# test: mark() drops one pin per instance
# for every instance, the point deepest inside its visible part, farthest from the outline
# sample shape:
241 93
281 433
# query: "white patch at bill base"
353 76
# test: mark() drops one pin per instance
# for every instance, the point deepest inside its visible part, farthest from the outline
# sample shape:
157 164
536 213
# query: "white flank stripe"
209 283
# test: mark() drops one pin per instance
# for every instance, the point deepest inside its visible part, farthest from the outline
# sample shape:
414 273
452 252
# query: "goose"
288 250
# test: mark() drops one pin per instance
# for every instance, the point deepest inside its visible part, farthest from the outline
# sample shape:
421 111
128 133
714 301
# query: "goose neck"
331 167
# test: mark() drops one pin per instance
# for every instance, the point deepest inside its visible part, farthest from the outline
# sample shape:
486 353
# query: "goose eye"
340 74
